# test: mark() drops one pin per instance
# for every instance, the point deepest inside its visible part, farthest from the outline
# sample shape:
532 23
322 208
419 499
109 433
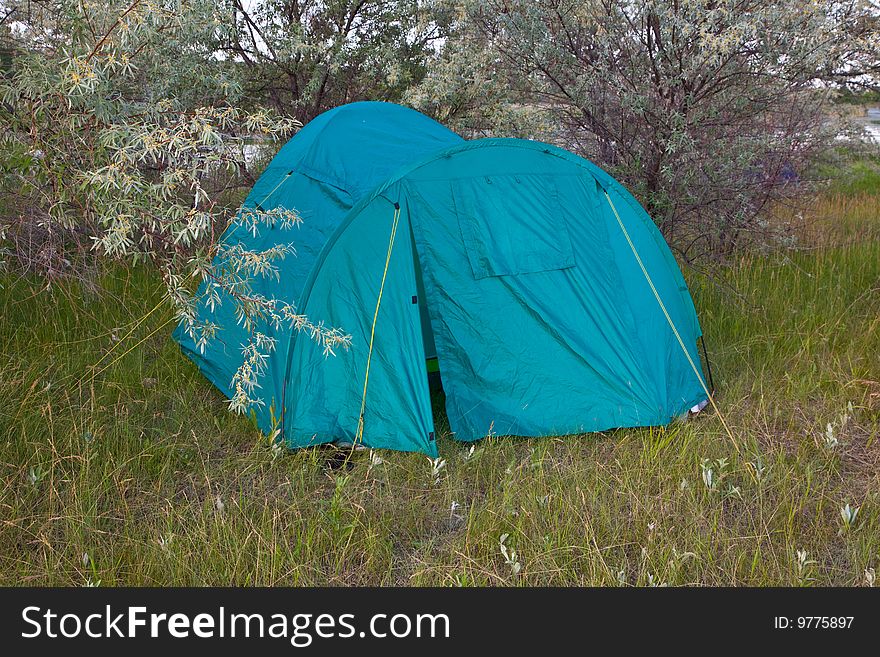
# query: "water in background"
871 123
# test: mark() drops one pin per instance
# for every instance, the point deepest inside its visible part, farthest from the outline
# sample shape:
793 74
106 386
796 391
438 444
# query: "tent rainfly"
537 283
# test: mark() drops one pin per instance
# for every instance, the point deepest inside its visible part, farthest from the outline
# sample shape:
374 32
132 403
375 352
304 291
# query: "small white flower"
803 563
218 504
470 453
830 439
437 466
708 475
655 582
510 556
849 514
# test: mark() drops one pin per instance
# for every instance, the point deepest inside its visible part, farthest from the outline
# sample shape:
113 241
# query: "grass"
119 464
857 179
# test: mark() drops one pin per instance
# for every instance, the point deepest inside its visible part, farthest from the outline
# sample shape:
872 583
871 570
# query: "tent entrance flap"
376 391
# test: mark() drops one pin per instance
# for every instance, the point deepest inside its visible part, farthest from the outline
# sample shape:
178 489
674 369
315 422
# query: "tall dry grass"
135 474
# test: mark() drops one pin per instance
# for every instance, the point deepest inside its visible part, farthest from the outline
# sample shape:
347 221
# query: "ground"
120 465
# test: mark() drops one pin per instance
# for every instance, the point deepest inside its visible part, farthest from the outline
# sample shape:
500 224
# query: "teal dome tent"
545 292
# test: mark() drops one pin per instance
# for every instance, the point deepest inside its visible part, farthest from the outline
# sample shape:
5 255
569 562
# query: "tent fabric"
327 167
507 264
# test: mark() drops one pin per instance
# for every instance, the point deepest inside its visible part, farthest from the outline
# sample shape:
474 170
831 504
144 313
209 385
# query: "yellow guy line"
360 430
671 323
123 338
162 301
132 347
235 224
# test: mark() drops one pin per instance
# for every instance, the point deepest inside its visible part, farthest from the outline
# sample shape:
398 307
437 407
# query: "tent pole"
708 364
